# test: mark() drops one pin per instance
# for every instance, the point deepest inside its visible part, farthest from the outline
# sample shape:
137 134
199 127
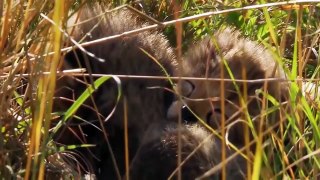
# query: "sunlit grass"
26 144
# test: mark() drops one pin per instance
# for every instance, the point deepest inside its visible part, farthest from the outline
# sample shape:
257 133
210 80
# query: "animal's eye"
187 115
187 88
214 118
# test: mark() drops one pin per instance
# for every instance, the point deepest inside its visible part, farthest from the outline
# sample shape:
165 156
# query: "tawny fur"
246 60
152 138
157 157
146 98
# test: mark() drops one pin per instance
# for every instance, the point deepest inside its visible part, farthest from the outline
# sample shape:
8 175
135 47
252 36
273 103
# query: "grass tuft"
32 46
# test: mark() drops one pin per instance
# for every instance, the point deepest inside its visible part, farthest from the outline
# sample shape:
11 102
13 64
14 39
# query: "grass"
30 46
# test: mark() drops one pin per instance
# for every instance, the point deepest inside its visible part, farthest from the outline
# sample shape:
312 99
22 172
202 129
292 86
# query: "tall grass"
31 41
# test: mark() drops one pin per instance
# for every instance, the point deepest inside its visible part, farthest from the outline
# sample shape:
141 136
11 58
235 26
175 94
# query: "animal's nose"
187 115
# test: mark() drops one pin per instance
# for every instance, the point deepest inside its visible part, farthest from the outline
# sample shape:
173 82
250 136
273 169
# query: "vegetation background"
31 47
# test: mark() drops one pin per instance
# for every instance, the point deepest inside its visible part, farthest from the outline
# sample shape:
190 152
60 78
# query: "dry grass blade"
33 41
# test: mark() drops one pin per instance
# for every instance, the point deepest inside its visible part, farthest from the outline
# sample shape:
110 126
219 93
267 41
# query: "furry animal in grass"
200 152
238 68
145 99
152 136
237 58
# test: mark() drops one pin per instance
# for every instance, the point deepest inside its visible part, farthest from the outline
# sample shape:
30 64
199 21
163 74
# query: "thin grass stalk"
37 117
24 23
126 138
299 60
271 26
1 11
178 29
259 145
244 97
317 117
58 17
223 119
5 25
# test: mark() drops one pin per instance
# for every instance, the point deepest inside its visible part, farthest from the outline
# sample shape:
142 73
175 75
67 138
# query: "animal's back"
129 55
146 99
